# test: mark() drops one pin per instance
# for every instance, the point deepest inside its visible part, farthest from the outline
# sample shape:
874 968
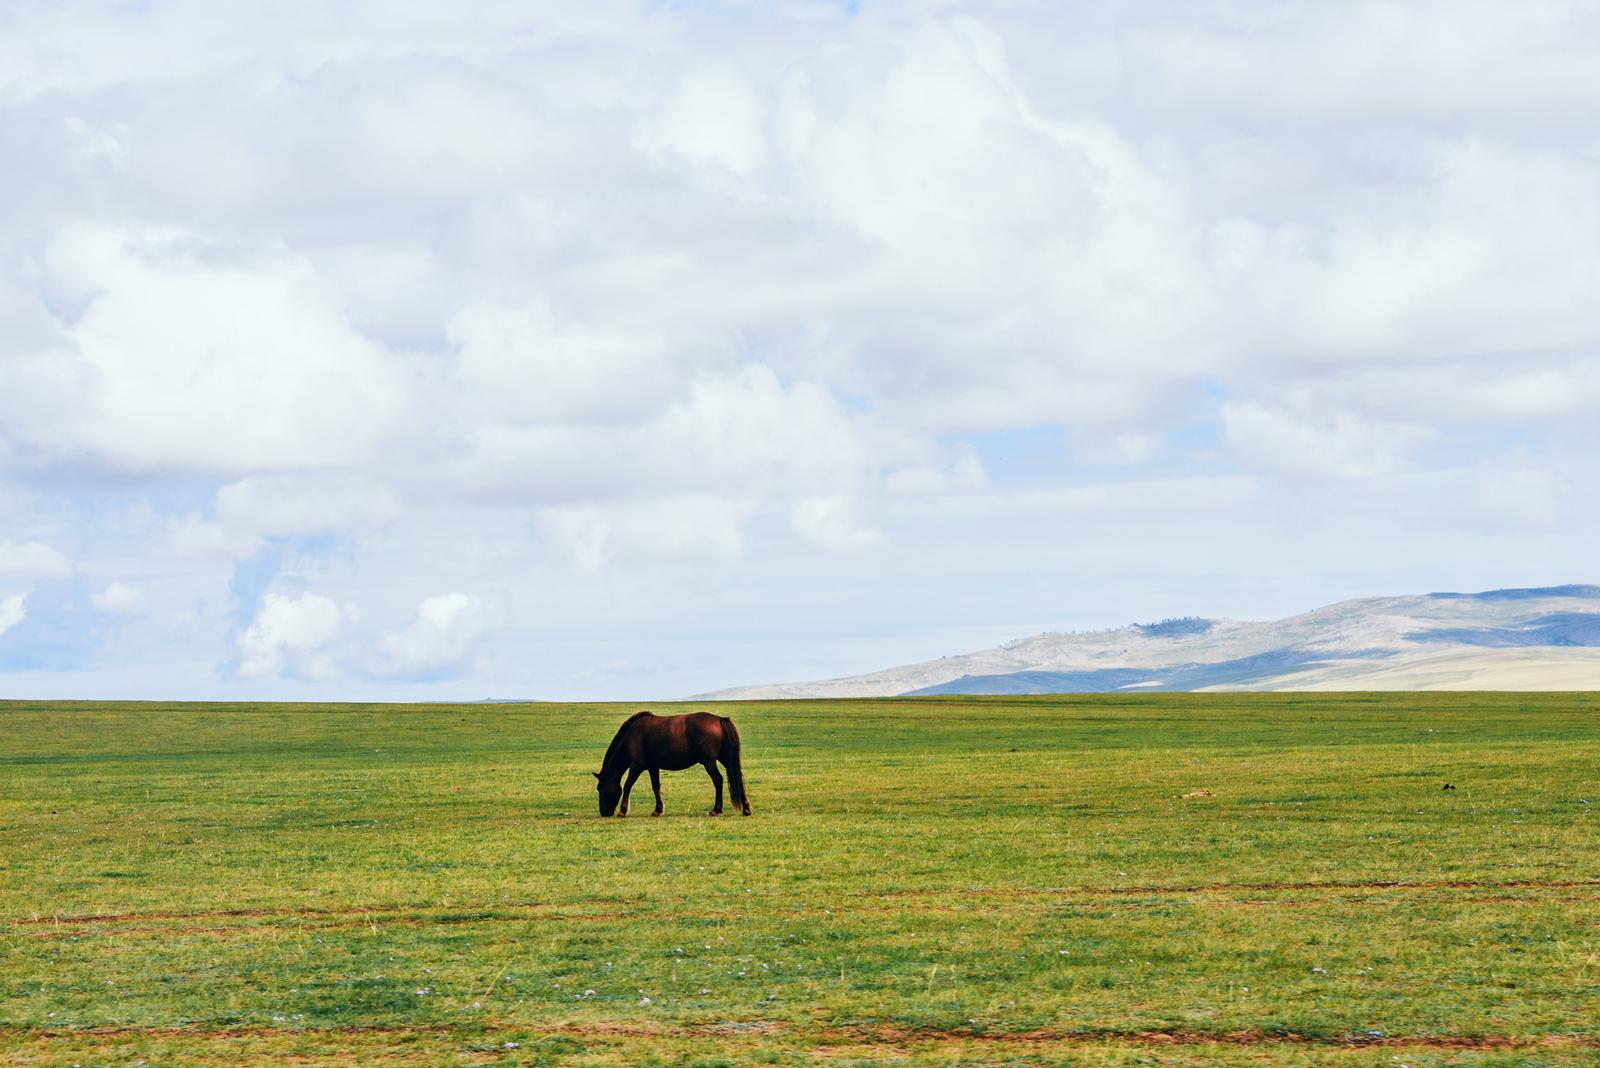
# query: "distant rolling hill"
1545 638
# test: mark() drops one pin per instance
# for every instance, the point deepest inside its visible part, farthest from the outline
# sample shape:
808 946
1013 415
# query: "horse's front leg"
627 788
655 784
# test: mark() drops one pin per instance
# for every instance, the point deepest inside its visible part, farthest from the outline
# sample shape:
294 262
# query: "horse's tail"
730 760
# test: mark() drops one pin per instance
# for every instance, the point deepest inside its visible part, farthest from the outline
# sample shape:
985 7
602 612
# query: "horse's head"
610 791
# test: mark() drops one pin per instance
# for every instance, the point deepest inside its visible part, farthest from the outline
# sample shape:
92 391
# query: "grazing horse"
648 742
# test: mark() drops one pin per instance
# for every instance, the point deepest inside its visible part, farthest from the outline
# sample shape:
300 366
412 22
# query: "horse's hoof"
657 812
714 812
746 812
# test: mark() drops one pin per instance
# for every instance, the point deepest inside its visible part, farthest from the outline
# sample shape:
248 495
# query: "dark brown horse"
648 742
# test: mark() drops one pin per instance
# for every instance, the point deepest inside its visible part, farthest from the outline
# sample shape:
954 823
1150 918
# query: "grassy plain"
938 881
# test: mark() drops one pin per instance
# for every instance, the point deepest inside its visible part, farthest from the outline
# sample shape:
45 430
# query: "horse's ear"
596 774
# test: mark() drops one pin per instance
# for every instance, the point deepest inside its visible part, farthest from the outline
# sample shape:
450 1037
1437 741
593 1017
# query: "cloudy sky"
438 350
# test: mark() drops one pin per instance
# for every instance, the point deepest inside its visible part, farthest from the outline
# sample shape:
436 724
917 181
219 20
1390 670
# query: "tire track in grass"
869 1035
1206 888
736 1029
66 929
511 912
459 914
1237 1037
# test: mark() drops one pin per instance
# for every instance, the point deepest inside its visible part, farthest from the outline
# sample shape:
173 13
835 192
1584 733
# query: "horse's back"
673 743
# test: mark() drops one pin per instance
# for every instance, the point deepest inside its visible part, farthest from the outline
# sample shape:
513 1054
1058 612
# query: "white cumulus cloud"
293 635
13 610
683 527
440 638
32 559
195 357
830 523
117 597
1296 439
281 504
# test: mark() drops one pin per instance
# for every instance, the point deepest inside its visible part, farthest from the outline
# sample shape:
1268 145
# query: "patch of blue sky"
251 578
98 500
1199 438
1052 454
255 575
60 632
854 402
1467 446
1019 457
848 8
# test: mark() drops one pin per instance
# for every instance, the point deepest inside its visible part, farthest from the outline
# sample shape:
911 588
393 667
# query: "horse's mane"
615 747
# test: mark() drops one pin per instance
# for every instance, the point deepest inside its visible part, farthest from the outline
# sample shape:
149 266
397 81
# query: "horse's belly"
677 763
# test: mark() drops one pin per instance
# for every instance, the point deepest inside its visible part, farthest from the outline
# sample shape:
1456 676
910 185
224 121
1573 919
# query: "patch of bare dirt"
1231 1038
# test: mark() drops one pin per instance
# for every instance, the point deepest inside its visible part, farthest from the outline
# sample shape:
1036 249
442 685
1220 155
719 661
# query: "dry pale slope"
1533 639
1451 668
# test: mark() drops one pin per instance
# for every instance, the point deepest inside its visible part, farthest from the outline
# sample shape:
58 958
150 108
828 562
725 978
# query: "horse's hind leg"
716 779
655 784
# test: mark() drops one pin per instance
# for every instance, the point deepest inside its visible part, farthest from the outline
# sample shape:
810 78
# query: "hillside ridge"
1521 638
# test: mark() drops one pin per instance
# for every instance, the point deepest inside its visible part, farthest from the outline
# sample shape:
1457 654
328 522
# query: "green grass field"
938 881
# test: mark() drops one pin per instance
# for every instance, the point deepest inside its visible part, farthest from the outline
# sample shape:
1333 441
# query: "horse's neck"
616 760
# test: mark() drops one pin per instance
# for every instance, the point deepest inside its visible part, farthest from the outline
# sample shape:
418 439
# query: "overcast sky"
439 350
